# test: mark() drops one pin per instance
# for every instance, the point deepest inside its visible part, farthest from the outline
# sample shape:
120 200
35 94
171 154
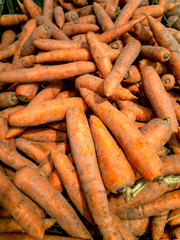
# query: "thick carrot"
67 94
158 224
95 84
87 19
4 127
122 64
130 114
27 91
55 31
14 202
8 99
141 33
85 161
116 171
69 6
168 81
6 112
7 38
48 111
127 12
59 125
59 16
12 19
48 73
28 48
160 68
174 218
9 51
69 177
48 9
48 198
132 75
136 149
56 181
71 16
22 236
155 53
44 135
175 33
103 18
33 9
63 146
171 164
80 3
78 28
117 45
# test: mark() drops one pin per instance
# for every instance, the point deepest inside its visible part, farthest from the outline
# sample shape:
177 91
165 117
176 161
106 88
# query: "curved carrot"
4 127
136 149
8 99
168 81
7 38
33 9
59 16
12 19
48 9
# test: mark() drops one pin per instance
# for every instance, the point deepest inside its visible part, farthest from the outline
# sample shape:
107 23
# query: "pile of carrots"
89 121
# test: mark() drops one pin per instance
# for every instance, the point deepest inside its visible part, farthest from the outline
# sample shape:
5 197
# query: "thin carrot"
168 81
14 202
116 171
174 218
122 64
48 9
87 19
8 99
78 28
132 75
59 16
7 38
4 127
23 9
27 91
42 192
33 9
158 224
55 180
12 19
120 127
155 53
9 51
85 161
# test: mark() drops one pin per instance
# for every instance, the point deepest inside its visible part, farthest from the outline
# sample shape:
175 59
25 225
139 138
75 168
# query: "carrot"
103 18
160 68
14 202
28 28
155 53
27 91
69 177
175 33
4 127
48 198
134 89
28 47
22 236
4 213
132 75
12 19
87 19
127 12
48 73
142 34
78 28
157 132
59 125
59 16
6 112
23 9
174 218
49 111
8 99
9 51
153 87
170 164
130 114
2 66
32 149
127 37
143 114
9 171
33 9
127 135
62 146
67 94
165 236
74 55
80 3
55 31
7 38
176 233
158 224
168 81
55 180
116 172
71 16
117 45
48 9
85 161
69 6
122 64
152 207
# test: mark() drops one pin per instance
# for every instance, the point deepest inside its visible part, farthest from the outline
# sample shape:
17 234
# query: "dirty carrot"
4 127
33 9
22 236
59 16
59 125
130 114
132 75
117 45
155 53
87 19
48 9
158 224
27 91
7 38
69 6
12 19
174 218
8 99
78 28
144 36
67 94
168 81
71 16
55 180
9 51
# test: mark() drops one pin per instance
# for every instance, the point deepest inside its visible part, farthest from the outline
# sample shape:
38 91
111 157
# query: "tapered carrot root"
23 9
112 118
158 224
56 181
33 9
4 127
8 99
26 92
9 50
12 19
6 112
14 202
85 160
122 64
116 172
48 9
69 177
8 37
39 189
174 218
59 16
132 75
73 29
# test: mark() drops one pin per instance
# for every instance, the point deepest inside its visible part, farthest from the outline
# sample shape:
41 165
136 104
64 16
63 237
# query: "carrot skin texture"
26 92
9 51
48 9
112 118
122 64
59 16
55 180
18 207
158 224
4 127
12 19
54 203
174 222
77 128
155 53
6 112
33 9
78 28
8 99
7 38
171 164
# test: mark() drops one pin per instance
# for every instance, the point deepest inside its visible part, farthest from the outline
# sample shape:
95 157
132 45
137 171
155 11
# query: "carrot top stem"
138 188
167 120
126 194
172 179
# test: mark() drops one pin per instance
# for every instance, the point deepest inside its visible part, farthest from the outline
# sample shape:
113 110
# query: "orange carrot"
55 31
78 28
48 9
71 16
59 16
122 64
8 37
168 81
155 53
69 178
165 236
132 75
33 9
59 125
174 218
62 146
141 33
22 236
9 51
27 91
158 224
23 9
6 112
134 89
175 33
12 19
3 130
171 164
116 171
67 94
8 99
117 45
134 145
85 161
69 6
55 180
87 19
160 68
14 202
48 198
80 3
130 114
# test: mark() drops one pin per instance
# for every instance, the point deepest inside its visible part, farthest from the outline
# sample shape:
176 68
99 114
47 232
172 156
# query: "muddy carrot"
170 164
59 125
27 91
84 156
67 94
12 19
155 53
134 140
59 16
78 28
56 181
122 64
132 75
9 51
4 127
8 99
168 81
23 9
48 198
116 171
87 19
14 202
33 9
142 34
117 45
6 112
69 6
175 33
22 236
48 9
160 68
8 37
80 3
71 16
158 224
174 218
